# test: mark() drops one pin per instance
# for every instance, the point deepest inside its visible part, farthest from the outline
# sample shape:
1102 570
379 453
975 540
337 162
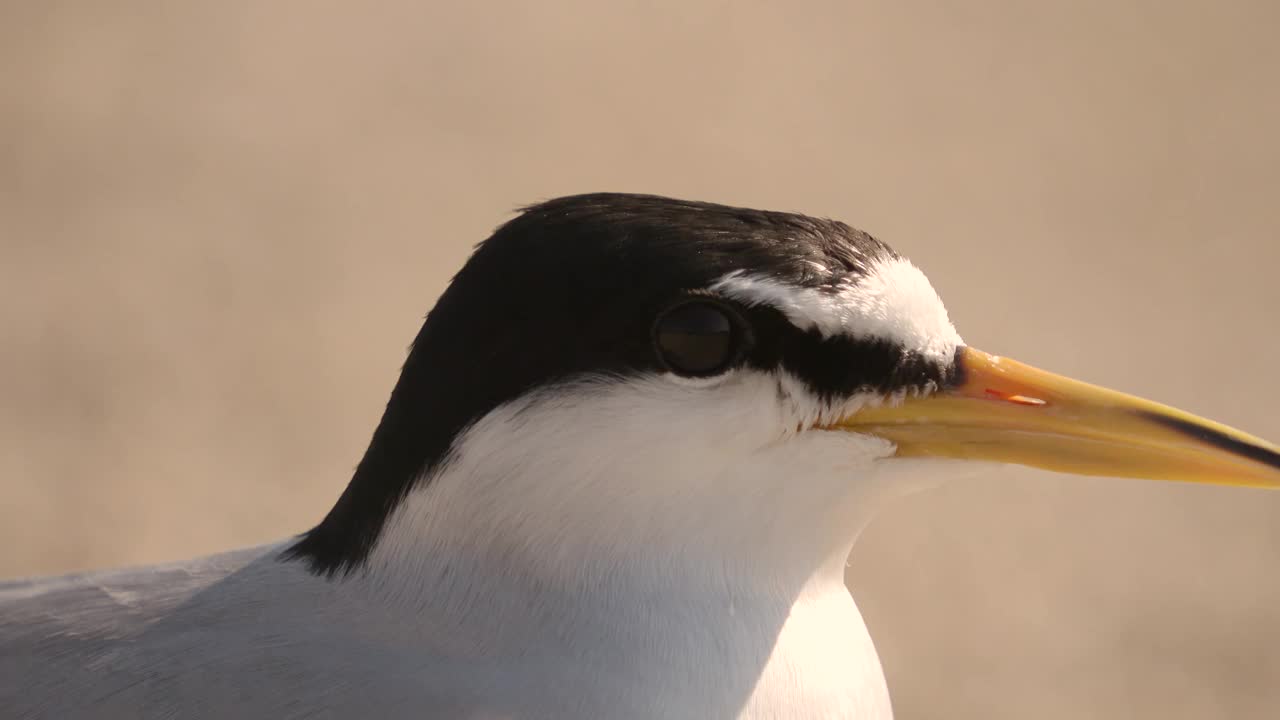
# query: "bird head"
634 379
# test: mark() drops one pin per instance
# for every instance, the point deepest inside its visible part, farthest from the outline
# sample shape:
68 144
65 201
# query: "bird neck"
434 541
779 533
693 639
690 582
676 635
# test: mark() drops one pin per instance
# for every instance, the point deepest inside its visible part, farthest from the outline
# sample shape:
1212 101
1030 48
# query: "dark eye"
695 338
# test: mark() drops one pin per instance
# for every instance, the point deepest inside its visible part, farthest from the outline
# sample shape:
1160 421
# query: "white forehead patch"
892 301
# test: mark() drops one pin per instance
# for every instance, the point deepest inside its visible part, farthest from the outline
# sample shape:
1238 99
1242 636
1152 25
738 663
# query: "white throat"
655 528
650 478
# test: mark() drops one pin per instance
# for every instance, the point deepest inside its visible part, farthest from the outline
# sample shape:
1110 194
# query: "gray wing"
241 635
86 645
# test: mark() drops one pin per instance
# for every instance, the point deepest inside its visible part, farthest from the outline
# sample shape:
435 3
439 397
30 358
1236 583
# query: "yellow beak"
1004 411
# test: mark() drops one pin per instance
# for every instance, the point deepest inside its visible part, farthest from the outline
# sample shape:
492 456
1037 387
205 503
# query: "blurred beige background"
221 224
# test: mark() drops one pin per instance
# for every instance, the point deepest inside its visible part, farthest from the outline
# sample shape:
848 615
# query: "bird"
619 476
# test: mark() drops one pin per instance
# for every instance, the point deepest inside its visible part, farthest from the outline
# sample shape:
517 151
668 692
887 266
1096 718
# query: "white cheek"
608 467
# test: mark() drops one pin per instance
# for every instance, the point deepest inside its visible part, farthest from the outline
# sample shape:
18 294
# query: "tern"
619 477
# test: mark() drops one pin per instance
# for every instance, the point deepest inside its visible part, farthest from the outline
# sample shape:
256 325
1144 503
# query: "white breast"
824 665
